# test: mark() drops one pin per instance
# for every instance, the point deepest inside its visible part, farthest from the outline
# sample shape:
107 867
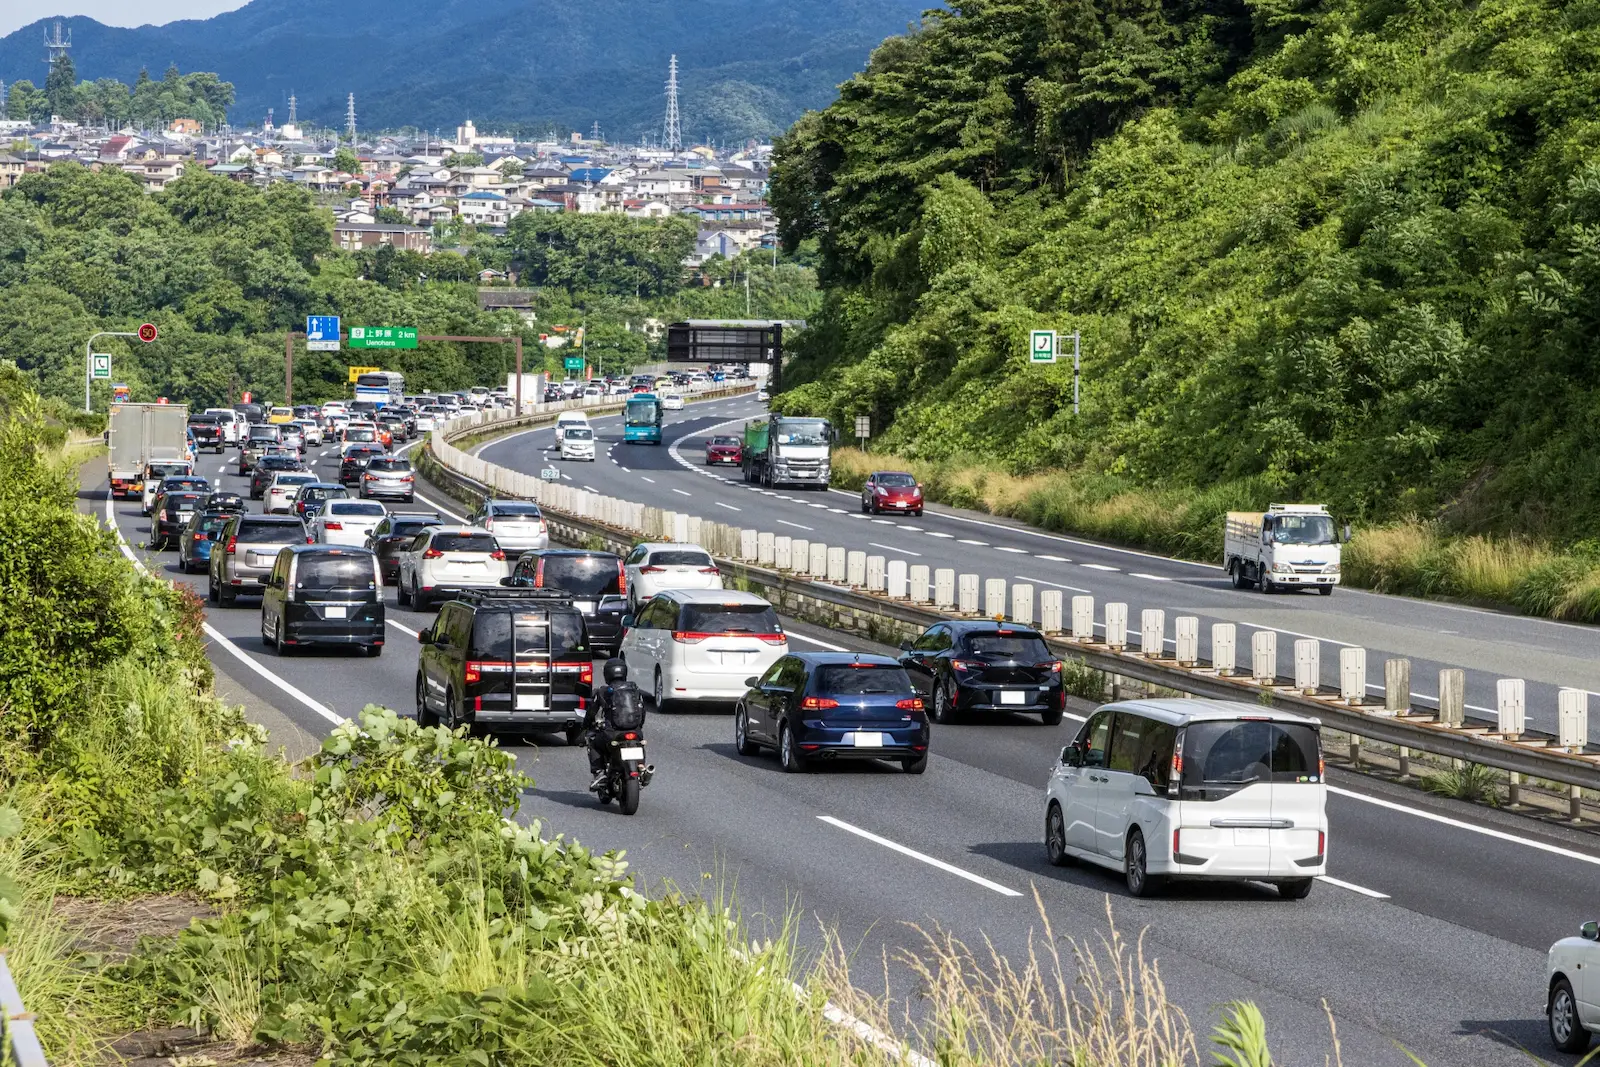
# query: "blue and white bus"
641 419
381 387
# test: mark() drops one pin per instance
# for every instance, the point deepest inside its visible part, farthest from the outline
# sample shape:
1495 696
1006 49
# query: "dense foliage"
108 102
1347 250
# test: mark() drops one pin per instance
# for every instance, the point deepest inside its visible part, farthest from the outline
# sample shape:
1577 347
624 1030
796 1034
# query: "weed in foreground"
1473 782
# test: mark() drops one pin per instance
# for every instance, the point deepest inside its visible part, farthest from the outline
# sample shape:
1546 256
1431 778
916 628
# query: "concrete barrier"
855 569
1224 648
944 589
1050 613
836 564
1083 618
896 585
921 587
967 594
1572 718
694 530
1186 634
782 560
1513 706
818 567
994 598
1152 633
877 578
750 546
1396 686
1352 675
1022 604
800 554
1264 656
1117 625
1308 665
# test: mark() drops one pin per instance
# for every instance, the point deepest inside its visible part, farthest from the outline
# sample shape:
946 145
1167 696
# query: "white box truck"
140 434
1288 546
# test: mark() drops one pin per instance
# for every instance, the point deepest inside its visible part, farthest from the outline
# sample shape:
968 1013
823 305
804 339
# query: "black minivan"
323 595
594 578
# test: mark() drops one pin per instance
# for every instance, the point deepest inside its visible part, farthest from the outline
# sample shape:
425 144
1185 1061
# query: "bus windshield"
643 413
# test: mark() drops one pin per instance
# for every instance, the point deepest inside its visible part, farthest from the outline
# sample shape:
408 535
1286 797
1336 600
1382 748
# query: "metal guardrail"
582 515
22 1046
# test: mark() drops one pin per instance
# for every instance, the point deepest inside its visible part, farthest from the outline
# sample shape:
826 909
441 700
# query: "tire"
574 736
449 716
1264 582
865 509
628 796
1135 868
211 591
1052 716
1295 889
1236 575
944 711
372 651
420 601
789 757
401 594
658 693
741 733
1055 837
424 716
1566 1032
915 764
918 513
226 597
1325 590
277 640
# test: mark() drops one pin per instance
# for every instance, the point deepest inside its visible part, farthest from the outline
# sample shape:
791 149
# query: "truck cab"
1288 546
788 450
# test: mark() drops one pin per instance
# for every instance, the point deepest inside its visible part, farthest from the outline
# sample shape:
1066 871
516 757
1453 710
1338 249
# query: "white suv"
443 560
653 567
1205 789
701 645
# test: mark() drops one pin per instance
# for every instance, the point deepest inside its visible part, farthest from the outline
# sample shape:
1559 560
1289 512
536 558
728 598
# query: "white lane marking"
730 507
936 533
1054 585
824 507
908 526
980 544
880 522
1003 548
590 489
1363 890
624 470
680 492
814 641
889 1046
1499 835
1148 577
842 511
948 868
1100 567
895 548
399 626
1052 559
652 481
222 469
796 525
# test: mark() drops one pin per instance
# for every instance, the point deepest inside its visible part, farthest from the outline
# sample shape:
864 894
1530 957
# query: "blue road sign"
322 333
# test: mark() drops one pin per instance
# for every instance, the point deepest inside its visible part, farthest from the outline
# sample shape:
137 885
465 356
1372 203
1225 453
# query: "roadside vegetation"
1342 253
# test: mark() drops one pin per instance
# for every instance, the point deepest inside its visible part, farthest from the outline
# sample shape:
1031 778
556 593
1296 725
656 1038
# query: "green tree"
345 160
61 87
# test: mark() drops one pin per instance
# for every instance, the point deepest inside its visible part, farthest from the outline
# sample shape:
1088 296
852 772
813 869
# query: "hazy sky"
15 13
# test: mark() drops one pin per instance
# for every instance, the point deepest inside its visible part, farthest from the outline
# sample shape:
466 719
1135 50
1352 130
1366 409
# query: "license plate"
336 611
185 516
632 753
531 702
585 606
1007 697
867 740
1254 838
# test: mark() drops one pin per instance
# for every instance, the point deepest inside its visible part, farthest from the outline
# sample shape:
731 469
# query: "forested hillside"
1345 250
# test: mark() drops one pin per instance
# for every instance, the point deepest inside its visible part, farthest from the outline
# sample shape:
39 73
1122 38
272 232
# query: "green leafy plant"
1472 782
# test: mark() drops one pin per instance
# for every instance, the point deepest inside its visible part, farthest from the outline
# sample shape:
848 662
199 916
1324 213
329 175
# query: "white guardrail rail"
906 598
22 1048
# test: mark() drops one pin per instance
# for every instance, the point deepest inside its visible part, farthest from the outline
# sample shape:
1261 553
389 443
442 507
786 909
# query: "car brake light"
1322 842
473 672
231 542
433 553
963 665
651 570
814 703
709 570
497 554
909 704
622 579
630 737
333 526
538 576
1322 771
586 673
684 637
201 537
773 639
1175 777
406 478
1054 666
1175 834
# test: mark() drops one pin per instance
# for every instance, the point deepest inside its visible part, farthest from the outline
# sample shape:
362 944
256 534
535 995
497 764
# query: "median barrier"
877 576
855 569
1505 746
896 587
994 598
967 594
766 549
1022 604
781 553
1152 633
1186 630
1307 665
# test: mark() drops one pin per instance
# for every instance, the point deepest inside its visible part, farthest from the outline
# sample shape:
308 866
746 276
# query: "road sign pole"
88 361
1075 345
288 368
517 342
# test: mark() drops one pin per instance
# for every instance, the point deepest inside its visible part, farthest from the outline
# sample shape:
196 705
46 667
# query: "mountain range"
747 68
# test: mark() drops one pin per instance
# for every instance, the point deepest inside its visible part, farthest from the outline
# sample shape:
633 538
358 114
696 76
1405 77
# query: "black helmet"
616 671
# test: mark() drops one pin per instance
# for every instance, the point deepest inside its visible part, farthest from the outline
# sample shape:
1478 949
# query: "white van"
1204 789
569 420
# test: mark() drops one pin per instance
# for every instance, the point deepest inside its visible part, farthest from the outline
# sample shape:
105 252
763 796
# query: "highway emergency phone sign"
100 366
383 337
322 333
1042 348
356 372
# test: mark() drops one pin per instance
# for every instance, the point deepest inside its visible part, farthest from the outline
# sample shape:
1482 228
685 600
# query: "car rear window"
389 465
166 470
211 523
580 433
1027 647
588 575
846 680
1220 757
265 433
673 557
725 441
465 543
729 618
515 511
184 501
334 571
261 532
536 633
295 479
357 508
412 527
278 463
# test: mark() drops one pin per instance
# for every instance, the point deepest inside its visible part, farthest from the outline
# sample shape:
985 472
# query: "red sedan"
722 450
891 491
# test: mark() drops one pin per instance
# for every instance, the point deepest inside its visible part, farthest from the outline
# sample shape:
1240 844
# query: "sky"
17 13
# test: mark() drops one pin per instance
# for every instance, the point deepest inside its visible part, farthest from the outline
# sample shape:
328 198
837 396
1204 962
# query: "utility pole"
747 294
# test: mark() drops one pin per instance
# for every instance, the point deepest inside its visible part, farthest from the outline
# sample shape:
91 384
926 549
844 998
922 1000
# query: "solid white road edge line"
1363 890
1499 835
948 868
814 641
877 1038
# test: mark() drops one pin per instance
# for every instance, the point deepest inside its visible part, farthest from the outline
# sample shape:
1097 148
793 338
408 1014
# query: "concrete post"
694 529
800 555
876 577
766 549
1308 665
1224 648
1152 632
1513 708
855 569
894 580
749 545
921 587
1396 686
1352 675
818 567
1050 611
1264 656
967 594
1083 618
1186 631
1452 696
668 521
1572 718
1117 625
994 598
836 565
944 589
782 553
1022 604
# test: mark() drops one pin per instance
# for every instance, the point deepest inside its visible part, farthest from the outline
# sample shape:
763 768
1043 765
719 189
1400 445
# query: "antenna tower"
291 106
55 45
671 134
350 118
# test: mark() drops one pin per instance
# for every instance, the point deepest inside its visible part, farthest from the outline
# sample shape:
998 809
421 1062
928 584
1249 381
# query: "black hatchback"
833 706
323 595
594 579
984 666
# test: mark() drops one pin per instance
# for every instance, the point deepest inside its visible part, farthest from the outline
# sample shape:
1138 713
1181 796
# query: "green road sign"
383 337
1042 349
572 362
100 367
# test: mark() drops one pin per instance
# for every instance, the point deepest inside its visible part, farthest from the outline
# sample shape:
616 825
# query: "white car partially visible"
654 567
281 493
569 420
1572 1002
346 522
702 644
672 402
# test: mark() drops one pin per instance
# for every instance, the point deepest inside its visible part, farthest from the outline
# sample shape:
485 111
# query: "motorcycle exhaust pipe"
647 772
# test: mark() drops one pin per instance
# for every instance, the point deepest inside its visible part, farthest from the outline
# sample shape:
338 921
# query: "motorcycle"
626 771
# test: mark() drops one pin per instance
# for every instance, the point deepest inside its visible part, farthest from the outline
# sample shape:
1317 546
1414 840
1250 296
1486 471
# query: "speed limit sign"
147 332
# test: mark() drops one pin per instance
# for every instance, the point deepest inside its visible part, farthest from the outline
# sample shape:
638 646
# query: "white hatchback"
701 644
346 522
1204 789
653 567
1573 998
570 420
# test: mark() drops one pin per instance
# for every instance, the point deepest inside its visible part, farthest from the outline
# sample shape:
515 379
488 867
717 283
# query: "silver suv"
245 551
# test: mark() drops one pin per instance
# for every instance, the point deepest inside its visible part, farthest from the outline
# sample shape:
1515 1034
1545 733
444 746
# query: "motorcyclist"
594 722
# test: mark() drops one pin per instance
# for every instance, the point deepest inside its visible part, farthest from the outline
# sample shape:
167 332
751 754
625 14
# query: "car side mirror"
627 622
425 637
905 644
506 580
1590 931
1066 755
751 683
1344 534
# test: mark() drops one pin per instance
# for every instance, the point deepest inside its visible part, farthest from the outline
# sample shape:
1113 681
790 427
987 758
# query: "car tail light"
709 570
406 478
202 537
622 579
815 703
630 737
538 575
652 570
497 554
433 553
1322 770
1175 776
964 665
310 540
473 672
232 541
687 638
586 673
773 639
333 526
909 704
1054 666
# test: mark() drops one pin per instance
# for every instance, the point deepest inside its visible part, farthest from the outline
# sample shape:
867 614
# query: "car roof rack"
514 593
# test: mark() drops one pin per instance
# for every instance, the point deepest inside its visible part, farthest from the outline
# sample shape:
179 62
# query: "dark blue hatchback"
833 705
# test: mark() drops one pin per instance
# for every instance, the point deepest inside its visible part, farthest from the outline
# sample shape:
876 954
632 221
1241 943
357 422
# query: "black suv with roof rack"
506 659
595 580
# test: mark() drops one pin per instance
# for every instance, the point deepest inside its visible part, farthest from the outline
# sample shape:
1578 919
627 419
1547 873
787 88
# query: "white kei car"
1572 1000
653 567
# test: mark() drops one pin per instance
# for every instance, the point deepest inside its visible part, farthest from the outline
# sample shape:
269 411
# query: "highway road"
1430 935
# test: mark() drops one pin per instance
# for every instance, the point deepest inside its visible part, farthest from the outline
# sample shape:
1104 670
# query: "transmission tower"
291 107
55 45
594 133
671 134
350 118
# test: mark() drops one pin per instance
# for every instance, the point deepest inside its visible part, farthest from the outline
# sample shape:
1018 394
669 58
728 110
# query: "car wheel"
1052 716
1055 837
1566 1031
1325 590
226 596
277 638
420 601
944 710
865 509
1135 867
373 651
788 752
424 716
741 733
401 592
659 693
574 736
211 591
452 718
915 764
1295 889
1236 575
918 513
1264 581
